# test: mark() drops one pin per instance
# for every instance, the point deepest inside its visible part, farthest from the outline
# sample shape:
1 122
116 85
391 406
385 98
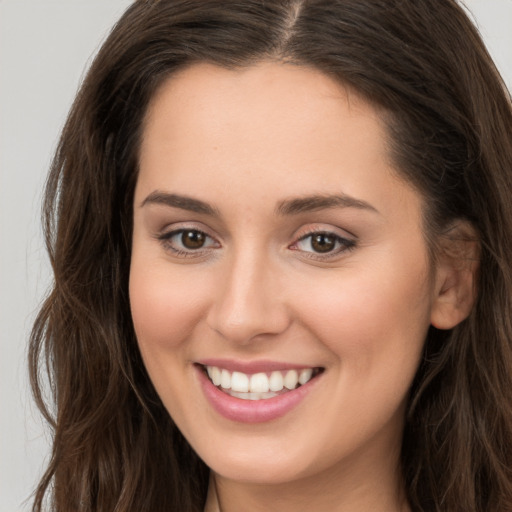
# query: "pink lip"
252 411
251 367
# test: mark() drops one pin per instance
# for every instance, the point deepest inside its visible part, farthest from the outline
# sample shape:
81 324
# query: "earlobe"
456 271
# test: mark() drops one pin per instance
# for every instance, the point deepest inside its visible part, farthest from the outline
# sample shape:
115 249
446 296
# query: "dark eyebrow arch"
320 202
179 201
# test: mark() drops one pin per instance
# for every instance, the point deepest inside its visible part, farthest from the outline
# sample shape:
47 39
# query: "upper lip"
251 367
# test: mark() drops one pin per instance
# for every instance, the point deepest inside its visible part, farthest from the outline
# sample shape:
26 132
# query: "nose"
250 302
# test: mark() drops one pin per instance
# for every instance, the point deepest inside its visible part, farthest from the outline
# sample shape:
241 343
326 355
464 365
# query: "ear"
457 262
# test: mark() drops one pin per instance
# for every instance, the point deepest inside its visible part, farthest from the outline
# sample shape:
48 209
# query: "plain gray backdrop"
45 46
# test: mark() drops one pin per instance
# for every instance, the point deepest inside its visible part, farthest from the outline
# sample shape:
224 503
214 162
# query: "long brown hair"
449 121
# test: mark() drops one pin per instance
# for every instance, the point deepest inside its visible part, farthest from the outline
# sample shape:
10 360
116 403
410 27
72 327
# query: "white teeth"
239 382
291 379
258 386
216 375
252 396
225 379
304 375
276 381
259 383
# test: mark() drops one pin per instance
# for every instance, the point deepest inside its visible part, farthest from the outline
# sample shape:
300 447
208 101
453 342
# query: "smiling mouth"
259 386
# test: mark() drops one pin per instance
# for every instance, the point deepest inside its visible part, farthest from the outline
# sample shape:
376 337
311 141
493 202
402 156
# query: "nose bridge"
248 303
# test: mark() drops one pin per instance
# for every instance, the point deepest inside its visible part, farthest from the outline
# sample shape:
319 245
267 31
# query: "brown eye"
193 239
188 243
323 245
323 242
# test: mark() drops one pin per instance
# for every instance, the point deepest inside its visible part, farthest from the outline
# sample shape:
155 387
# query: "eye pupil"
322 242
193 239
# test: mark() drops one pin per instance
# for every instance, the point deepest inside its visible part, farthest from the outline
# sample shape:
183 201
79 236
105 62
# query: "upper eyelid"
323 232
327 229
183 226
167 234
349 240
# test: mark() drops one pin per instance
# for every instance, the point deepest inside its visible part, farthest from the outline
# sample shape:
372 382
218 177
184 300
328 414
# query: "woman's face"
275 247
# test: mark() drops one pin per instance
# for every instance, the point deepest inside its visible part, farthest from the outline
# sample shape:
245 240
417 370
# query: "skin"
244 141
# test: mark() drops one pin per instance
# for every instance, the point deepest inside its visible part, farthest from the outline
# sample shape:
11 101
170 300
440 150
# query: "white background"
45 46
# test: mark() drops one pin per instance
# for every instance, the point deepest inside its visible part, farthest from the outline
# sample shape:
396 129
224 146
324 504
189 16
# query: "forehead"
290 129
301 93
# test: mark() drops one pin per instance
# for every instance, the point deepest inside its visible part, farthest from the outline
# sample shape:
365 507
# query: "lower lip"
253 411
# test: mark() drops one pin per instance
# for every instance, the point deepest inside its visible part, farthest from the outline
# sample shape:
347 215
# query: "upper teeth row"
258 382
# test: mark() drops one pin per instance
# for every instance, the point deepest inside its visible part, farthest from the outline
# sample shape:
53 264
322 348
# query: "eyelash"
343 244
166 240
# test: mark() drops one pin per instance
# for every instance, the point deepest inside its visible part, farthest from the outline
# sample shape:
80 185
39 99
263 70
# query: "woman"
280 236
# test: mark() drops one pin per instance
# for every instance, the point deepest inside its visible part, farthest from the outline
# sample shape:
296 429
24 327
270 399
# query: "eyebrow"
319 202
287 207
179 201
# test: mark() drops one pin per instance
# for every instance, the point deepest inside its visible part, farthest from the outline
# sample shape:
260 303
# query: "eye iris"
193 239
322 242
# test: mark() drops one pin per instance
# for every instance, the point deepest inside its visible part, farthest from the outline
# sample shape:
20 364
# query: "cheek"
373 320
165 306
375 328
